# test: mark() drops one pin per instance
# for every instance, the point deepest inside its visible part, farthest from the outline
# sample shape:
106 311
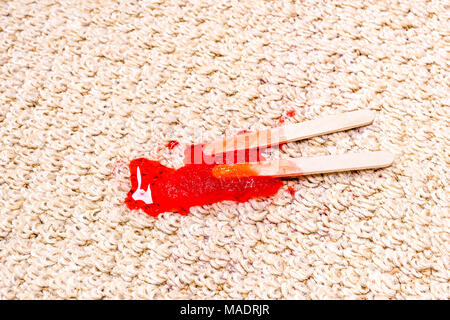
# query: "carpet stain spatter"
172 144
292 191
156 189
291 113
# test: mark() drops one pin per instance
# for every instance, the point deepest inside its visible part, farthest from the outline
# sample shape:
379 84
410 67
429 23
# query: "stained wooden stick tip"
291 132
306 165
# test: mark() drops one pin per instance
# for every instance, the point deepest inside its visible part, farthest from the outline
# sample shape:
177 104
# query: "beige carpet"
84 84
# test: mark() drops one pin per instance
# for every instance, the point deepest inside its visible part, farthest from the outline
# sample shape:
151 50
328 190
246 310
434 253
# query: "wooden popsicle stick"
306 165
292 132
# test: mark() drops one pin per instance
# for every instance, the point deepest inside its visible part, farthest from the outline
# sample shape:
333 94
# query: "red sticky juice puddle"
172 144
194 184
191 185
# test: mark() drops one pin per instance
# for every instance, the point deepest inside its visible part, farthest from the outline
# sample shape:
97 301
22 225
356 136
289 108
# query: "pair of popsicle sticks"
303 165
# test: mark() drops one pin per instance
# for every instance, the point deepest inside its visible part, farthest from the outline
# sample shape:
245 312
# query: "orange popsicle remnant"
234 170
274 168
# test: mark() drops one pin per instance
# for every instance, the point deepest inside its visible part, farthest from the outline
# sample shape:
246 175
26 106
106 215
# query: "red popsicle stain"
172 144
191 185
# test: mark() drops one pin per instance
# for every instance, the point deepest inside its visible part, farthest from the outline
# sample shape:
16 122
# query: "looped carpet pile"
85 84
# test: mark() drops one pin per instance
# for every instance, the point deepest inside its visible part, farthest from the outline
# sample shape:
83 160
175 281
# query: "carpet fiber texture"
85 85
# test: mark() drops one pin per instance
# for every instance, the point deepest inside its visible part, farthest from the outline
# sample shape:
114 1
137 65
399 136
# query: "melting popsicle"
156 188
